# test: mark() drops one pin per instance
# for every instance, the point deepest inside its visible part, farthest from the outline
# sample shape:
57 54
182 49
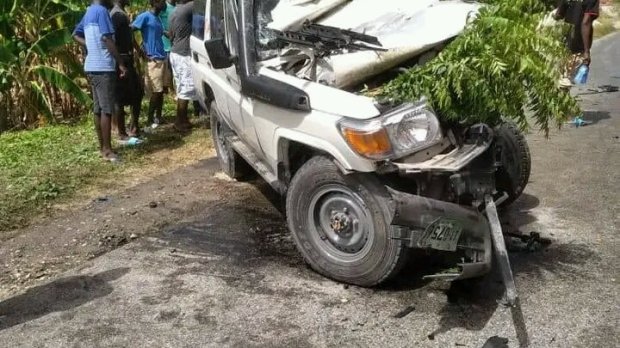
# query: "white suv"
364 181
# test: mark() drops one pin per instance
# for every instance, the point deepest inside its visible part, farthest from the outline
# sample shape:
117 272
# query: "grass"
41 167
608 21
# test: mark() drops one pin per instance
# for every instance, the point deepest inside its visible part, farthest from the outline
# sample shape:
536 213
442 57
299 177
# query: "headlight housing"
400 132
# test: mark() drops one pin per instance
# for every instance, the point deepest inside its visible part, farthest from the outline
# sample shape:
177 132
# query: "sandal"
112 158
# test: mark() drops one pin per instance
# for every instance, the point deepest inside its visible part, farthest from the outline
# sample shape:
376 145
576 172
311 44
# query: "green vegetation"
42 83
503 65
40 76
49 164
608 20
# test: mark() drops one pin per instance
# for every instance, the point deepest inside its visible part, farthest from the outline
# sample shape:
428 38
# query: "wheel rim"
340 223
220 141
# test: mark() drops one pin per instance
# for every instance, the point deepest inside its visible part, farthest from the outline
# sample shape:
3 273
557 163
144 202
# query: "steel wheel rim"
340 223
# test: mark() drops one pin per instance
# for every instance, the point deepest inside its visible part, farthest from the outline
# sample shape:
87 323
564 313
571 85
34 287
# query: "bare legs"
103 128
156 105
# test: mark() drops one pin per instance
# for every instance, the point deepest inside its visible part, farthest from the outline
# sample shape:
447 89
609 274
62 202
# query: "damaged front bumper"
432 224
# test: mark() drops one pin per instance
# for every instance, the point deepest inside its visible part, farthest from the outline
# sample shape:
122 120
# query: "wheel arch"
293 154
207 97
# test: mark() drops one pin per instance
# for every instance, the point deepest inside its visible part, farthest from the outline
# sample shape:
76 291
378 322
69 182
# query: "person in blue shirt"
150 26
96 32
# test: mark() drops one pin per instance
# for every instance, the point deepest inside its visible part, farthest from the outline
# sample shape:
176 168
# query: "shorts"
167 72
103 85
155 76
183 79
129 90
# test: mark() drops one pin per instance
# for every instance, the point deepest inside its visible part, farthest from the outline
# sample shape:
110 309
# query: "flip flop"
114 159
133 141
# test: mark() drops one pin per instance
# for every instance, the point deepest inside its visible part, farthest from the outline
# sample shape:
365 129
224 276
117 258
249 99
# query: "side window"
232 26
216 21
198 19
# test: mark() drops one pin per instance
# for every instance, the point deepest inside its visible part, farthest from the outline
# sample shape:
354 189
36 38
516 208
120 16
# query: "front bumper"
418 216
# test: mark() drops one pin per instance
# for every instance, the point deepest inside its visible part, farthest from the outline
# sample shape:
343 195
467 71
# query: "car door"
243 121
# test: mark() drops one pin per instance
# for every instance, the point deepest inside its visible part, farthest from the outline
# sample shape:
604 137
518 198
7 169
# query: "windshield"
266 40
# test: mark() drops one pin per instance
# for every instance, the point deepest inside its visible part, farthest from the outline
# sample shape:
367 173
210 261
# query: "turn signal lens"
374 144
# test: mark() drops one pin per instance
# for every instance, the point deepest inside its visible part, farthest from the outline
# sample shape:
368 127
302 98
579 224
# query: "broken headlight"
400 132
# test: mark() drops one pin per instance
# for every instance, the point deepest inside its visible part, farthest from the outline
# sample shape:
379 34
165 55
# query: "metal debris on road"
404 312
527 242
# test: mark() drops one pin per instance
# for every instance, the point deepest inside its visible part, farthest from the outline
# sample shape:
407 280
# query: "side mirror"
219 55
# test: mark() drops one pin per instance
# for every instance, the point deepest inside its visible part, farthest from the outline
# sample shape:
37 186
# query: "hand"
586 59
123 71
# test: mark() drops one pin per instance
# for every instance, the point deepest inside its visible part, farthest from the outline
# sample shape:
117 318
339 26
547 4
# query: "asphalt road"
227 274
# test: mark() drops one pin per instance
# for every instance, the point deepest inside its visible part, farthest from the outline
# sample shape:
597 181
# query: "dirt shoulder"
118 207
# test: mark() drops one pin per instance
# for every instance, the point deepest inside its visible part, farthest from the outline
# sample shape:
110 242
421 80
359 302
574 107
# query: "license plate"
443 234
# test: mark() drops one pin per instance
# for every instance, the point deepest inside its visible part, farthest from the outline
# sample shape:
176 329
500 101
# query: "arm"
79 39
107 37
78 33
109 43
136 26
560 10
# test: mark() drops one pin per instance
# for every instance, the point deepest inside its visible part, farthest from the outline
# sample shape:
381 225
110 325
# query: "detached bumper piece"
444 226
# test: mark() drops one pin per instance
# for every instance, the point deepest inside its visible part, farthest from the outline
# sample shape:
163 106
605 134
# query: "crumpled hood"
407 28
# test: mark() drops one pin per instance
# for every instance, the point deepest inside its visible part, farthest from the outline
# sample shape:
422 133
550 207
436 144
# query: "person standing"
180 60
129 90
165 16
580 14
150 26
96 32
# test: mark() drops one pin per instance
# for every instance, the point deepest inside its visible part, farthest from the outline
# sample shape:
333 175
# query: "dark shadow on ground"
595 116
60 295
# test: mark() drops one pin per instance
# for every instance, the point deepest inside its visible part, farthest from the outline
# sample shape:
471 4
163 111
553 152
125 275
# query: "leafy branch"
502 66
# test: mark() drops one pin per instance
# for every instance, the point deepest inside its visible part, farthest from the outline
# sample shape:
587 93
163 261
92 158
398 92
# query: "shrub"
500 67
38 70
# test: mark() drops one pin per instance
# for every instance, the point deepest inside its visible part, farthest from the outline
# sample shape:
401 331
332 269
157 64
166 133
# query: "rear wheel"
231 162
341 224
512 177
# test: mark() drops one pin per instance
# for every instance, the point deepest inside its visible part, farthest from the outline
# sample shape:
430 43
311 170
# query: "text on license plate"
443 234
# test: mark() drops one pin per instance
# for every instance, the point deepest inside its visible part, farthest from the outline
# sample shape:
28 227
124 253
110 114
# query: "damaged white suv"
365 181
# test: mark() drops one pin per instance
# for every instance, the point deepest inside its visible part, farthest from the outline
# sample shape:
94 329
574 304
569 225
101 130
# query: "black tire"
512 177
367 251
231 162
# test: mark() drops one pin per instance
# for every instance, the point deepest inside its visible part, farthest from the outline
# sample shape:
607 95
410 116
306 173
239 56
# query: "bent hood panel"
407 28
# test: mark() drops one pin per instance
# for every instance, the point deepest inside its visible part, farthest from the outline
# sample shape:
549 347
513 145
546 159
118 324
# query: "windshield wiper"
326 40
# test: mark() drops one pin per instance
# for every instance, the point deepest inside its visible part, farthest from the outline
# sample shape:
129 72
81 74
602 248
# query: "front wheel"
514 174
341 224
